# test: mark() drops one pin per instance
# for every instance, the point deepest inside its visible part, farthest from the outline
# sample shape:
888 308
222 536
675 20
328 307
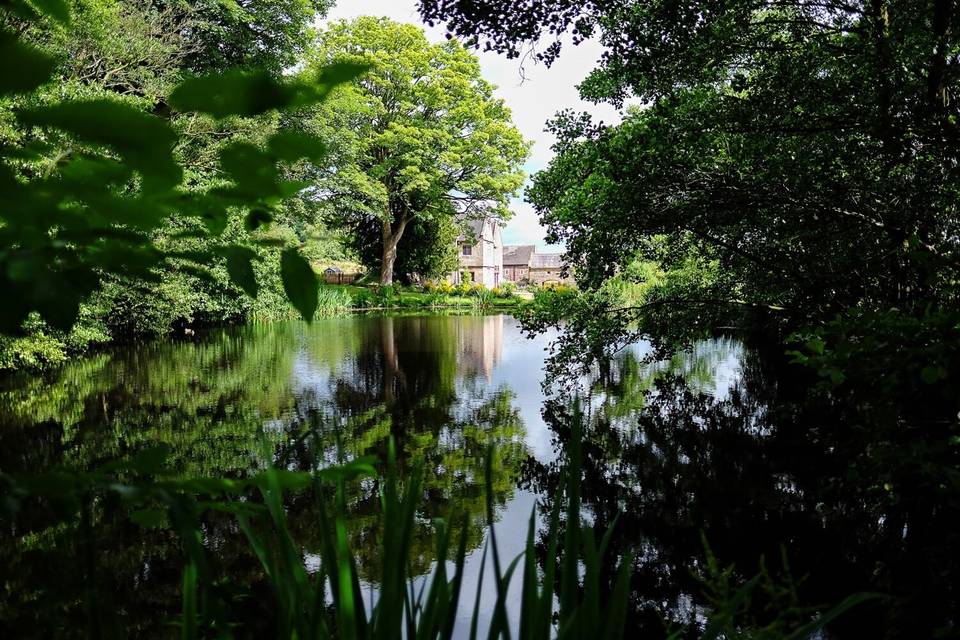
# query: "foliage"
85 199
429 251
507 289
136 54
420 138
804 149
560 603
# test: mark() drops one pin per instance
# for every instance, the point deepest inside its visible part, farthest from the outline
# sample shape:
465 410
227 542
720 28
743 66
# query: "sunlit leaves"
299 282
418 127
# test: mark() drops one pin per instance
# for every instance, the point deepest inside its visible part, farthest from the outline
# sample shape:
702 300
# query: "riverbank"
396 297
41 348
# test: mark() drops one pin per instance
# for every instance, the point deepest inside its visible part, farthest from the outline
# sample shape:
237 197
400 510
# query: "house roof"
476 230
546 261
517 255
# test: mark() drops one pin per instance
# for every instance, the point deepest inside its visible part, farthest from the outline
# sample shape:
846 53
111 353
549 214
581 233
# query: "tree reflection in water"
354 382
721 441
831 497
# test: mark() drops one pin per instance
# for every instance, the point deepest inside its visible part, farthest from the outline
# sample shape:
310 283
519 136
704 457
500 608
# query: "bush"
506 290
363 300
41 347
332 299
483 297
477 289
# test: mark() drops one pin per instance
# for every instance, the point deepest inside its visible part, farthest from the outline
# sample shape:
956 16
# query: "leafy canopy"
116 179
421 135
809 148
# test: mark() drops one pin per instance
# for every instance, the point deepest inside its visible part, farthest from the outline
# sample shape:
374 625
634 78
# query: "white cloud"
533 92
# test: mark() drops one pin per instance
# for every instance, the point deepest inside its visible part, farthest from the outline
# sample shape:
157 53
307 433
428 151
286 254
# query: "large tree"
420 136
809 147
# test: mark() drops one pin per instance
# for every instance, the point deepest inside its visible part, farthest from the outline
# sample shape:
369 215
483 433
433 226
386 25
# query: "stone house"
523 265
480 248
547 268
482 254
516 262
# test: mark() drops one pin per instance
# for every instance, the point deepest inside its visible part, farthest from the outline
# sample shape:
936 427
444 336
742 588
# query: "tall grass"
333 300
401 609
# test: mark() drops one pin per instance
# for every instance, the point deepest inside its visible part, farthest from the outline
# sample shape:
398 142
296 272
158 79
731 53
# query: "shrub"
483 297
477 289
384 295
332 299
363 299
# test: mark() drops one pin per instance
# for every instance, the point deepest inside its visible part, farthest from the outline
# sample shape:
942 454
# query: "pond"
709 449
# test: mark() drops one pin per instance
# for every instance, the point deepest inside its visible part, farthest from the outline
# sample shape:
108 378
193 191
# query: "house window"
467 250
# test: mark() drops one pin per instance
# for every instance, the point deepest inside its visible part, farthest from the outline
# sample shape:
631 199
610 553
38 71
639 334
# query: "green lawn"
407 298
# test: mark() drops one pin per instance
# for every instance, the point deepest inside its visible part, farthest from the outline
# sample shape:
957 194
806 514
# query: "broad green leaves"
299 282
244 93
240 268
290 146
24 68
235 93
106 179
144 142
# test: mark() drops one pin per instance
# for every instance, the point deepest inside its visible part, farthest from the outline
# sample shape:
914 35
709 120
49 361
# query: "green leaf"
234 93
291 146
341 73
256 219
932 375
24 68
816 345
145 141
240 269
253 171
59 10
299 282
151 461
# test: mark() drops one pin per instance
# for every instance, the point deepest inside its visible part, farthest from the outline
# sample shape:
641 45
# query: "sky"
534 94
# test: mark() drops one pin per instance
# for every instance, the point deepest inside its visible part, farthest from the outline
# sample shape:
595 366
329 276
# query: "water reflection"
716 444
234 401
720 446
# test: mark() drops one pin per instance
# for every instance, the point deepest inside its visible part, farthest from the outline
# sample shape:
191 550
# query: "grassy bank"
346 298
42 348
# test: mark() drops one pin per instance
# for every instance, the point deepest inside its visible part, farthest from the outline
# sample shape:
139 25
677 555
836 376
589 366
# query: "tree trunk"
391 237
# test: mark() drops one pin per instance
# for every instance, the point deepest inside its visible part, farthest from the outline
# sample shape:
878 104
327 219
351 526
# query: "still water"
701 450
